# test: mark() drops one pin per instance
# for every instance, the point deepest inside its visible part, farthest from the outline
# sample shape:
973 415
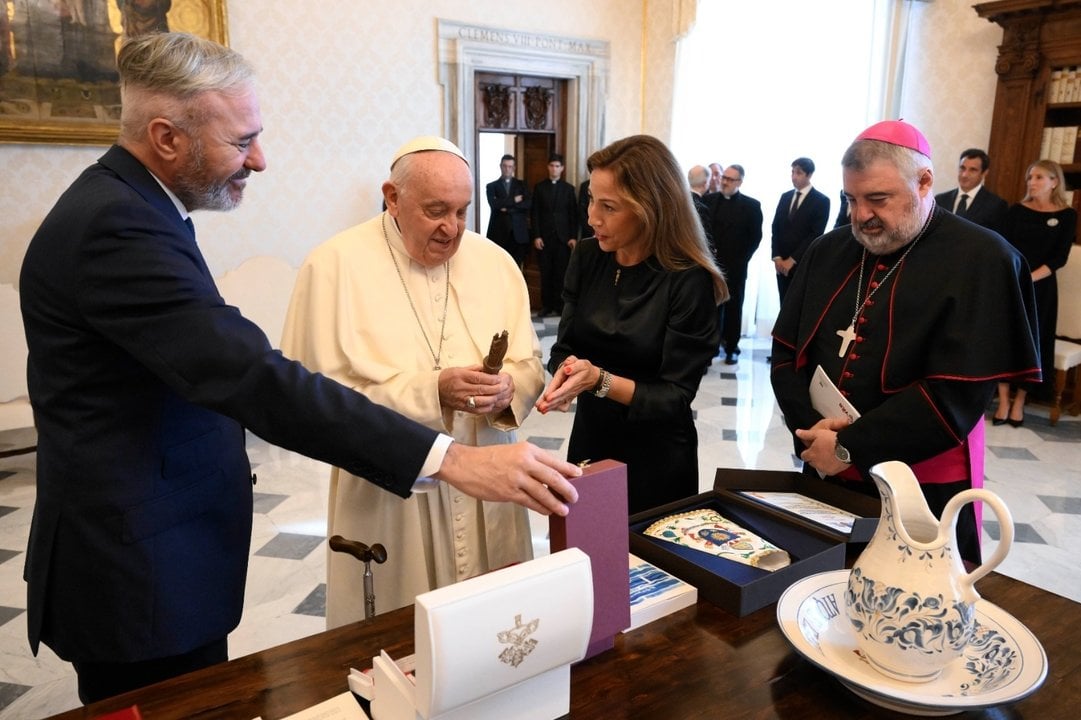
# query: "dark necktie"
795 204
200 261
962 205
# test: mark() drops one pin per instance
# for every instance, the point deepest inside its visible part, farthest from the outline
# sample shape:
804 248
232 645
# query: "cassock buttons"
880 267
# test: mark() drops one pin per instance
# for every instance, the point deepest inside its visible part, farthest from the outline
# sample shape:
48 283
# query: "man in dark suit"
555 232
801 216
508 198
970 199
143 381
735 227
715 172
584 229
699 178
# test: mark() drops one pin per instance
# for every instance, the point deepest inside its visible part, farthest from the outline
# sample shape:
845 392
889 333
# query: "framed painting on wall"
58 80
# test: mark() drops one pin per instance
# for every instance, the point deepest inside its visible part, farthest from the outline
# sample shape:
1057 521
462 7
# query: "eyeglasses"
725 178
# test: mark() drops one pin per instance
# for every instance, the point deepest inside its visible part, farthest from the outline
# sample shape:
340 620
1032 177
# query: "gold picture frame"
58 79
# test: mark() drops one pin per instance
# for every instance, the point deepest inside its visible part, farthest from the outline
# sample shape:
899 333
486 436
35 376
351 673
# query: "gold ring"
471 402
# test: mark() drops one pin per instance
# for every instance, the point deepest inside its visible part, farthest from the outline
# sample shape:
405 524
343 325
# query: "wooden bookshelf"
1041 46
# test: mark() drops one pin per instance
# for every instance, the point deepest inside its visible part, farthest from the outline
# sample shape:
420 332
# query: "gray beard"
199 192
894 240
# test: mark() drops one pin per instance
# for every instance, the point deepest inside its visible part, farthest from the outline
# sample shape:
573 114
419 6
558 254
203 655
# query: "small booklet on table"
655 593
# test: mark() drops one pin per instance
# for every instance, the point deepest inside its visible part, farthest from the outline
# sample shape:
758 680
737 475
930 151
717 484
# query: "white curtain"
765 82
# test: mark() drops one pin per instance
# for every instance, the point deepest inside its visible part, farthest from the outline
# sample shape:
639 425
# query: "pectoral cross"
847 336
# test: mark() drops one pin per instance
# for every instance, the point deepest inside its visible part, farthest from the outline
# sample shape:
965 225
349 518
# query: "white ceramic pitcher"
911 604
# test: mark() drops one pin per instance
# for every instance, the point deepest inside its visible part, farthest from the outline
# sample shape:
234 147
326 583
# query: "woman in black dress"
1042 227
639 324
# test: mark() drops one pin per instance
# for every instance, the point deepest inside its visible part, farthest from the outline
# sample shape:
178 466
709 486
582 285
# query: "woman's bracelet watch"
604 384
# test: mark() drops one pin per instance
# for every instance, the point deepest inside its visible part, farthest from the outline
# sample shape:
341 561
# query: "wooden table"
698 663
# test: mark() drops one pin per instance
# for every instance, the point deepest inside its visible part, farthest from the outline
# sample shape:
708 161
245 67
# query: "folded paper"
707 530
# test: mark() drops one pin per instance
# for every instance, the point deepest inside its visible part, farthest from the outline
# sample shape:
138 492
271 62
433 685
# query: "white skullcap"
426 143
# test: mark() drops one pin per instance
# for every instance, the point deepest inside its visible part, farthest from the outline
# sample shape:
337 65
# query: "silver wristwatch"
604 384
841 453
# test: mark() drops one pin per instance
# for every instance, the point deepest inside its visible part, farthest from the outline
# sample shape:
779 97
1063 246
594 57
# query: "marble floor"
1036 469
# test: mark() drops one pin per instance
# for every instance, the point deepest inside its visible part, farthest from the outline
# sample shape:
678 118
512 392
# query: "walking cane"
365 554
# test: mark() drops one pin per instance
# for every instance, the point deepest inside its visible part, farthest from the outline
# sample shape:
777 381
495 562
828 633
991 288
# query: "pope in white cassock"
403 308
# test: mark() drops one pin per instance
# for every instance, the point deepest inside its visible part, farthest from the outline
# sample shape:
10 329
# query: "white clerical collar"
397 242
394 235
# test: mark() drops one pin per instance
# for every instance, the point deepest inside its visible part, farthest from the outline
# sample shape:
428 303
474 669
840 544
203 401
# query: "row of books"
1065 85
1060 144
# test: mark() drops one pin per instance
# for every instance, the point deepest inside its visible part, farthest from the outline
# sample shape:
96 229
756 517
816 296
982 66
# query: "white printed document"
828 400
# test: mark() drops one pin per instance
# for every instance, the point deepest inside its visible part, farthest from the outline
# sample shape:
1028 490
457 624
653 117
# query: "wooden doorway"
524 116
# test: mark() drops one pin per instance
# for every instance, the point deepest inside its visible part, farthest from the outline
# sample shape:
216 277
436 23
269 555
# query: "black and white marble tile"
1036 469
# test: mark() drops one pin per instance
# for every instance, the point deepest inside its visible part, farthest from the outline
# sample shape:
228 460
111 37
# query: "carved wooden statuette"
493 361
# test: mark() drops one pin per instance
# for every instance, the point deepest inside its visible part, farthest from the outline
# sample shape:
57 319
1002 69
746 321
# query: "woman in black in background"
639 324
1042 226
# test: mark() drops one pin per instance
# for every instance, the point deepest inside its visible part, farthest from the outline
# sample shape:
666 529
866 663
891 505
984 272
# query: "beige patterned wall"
949 85
342 84
658 71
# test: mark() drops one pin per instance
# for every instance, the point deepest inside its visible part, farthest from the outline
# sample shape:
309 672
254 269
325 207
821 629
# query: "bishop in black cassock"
915 340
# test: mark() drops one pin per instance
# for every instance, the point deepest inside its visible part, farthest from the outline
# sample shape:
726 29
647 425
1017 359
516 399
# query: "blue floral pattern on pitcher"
892 616
909 598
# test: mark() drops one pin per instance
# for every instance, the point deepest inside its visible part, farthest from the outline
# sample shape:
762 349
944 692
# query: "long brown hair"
652 183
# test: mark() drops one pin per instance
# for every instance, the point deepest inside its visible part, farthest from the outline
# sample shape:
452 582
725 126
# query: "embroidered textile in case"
709 531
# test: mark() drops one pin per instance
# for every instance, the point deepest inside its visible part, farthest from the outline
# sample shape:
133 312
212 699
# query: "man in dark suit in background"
801 216
735 227
508 225
555 232
970 199
715 172
699 178
143 382
584 229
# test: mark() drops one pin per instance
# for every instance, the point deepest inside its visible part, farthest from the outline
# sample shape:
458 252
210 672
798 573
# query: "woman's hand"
570 380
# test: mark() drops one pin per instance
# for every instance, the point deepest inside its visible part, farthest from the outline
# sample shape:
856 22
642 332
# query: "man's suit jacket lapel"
135 174
979 206
790 217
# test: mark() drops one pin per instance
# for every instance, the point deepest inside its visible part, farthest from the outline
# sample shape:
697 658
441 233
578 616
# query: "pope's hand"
471 390
520 473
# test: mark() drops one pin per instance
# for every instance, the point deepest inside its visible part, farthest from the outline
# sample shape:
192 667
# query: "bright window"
762 83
